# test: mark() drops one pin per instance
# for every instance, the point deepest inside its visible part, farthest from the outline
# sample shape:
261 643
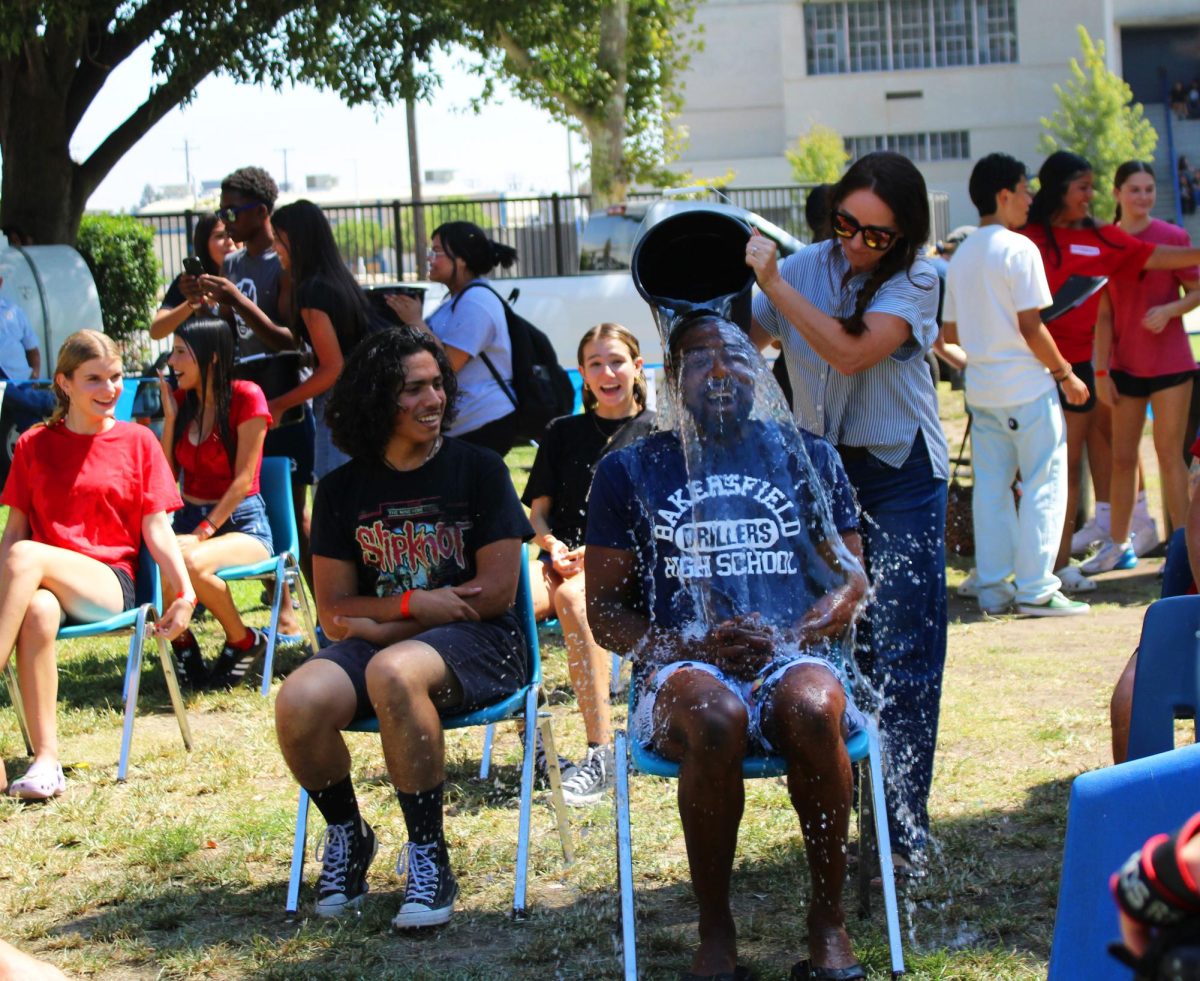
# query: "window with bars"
918 147
880 35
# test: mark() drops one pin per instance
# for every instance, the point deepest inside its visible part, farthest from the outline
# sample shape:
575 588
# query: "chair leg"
866 840
522 870
172 679
133 675
884 841
556 792
614 679
625 857
14 695
485 762
273 628
296 581
299 845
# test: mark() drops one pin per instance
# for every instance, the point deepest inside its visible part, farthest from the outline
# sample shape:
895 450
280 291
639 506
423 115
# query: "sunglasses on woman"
875 238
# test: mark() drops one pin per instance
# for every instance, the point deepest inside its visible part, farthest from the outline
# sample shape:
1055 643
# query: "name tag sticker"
1084 250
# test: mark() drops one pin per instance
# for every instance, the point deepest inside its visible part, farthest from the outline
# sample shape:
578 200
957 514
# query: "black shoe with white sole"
345 851
430 887
233 665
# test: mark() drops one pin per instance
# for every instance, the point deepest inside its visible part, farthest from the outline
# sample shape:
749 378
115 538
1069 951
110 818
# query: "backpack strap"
482 354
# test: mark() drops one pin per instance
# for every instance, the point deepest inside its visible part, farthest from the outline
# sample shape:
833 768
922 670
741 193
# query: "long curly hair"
895 180
210 340
615 332
83 345
361 413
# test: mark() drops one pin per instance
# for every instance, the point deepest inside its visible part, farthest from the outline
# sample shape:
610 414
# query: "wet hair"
200 236
465 240
314 253
614 332
83 345
817 212
895 180
992 174
361 413
210 340
687 323
1124 172
254 184
1055 176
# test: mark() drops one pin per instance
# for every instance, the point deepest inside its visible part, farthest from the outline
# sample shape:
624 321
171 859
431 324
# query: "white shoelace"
422 871
334 851
591 773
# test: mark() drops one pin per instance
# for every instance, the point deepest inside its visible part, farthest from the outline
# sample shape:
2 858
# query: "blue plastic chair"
275 483
1112 813
1165 685
863 749
141 620
521 704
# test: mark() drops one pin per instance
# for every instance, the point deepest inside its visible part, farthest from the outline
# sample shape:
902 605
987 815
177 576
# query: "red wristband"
1101 372
404 614
191 599
207 527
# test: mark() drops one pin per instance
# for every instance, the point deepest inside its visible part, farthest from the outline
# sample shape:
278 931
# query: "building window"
883 35
918 147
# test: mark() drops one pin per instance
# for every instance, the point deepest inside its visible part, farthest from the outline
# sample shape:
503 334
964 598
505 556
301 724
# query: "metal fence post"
398 238
558 244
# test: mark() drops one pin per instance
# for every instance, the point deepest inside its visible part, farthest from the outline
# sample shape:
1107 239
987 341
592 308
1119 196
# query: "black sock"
423 814
337 802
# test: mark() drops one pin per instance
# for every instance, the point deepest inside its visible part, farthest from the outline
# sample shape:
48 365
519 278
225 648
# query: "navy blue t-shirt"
742 539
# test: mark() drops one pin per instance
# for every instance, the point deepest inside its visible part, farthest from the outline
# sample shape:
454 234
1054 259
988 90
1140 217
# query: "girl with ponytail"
855 315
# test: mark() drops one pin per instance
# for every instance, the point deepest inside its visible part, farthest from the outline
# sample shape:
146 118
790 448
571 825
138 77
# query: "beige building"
943 81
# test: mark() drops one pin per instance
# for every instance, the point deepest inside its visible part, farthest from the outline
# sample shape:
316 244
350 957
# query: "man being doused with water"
724 556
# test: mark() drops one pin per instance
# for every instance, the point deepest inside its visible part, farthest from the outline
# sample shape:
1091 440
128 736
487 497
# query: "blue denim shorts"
249 517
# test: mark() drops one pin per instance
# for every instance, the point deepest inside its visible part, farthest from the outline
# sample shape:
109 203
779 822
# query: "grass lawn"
181 871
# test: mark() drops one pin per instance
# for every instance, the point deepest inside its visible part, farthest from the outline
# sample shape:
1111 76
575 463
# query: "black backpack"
541 388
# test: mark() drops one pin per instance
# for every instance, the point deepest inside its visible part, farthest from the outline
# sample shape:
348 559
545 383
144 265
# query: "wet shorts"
1084 371
249 518
1137 387
754 694
488 659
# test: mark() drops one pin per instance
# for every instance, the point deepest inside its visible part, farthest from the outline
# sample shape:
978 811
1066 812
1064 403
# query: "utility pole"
286 183
414 175
187 169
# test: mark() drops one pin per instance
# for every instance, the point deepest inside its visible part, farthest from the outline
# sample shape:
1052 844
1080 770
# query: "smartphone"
192 265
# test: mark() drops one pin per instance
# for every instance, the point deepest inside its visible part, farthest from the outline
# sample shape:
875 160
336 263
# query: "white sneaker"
1092 533
1074 581
1145 534
1056 605
970 586
1110 556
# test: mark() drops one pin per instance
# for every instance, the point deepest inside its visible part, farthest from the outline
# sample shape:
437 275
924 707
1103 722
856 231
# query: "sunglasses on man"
229 215
874 238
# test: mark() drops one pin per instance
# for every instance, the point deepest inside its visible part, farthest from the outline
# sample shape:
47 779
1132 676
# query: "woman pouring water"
855 316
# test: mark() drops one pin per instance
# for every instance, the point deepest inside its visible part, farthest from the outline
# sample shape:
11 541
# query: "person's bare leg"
203 559
1120 711
1099 448
1170 422
314 704
702 725
804 723
543 580
38 670
1127 423
589 664
408 682
1077 429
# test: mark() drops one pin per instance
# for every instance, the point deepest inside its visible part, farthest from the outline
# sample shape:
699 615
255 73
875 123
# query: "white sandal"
41 782
1074 581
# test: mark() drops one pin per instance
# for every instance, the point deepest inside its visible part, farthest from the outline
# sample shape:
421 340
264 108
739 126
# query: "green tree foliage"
55 56
819 156
607 67
119 250
1098 119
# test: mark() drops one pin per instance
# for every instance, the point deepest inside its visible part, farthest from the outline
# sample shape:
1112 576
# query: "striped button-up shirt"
881 408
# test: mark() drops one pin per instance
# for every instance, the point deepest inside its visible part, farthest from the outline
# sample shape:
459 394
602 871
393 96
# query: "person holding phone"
211 243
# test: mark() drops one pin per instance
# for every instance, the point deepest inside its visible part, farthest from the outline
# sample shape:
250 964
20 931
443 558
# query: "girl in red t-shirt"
1071 243
213 432
1149 359
83 493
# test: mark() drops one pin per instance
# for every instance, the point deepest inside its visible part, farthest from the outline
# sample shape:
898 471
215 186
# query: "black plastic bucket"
695 260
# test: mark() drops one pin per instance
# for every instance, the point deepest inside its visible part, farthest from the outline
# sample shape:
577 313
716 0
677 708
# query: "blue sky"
508 147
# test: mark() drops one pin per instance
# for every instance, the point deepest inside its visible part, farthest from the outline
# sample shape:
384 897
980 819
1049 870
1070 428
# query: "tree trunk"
609 175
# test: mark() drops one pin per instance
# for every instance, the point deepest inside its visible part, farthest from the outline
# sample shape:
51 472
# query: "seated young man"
416 557
724 556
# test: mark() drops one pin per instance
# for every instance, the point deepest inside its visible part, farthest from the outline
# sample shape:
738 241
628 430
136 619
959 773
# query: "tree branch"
525 66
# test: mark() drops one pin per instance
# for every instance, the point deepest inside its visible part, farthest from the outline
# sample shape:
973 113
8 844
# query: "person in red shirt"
83 493
1072 244
213 432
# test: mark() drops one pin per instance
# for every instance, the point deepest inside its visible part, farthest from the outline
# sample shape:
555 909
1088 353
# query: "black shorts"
128 588
1084 371
298 443
488 659
1137 387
